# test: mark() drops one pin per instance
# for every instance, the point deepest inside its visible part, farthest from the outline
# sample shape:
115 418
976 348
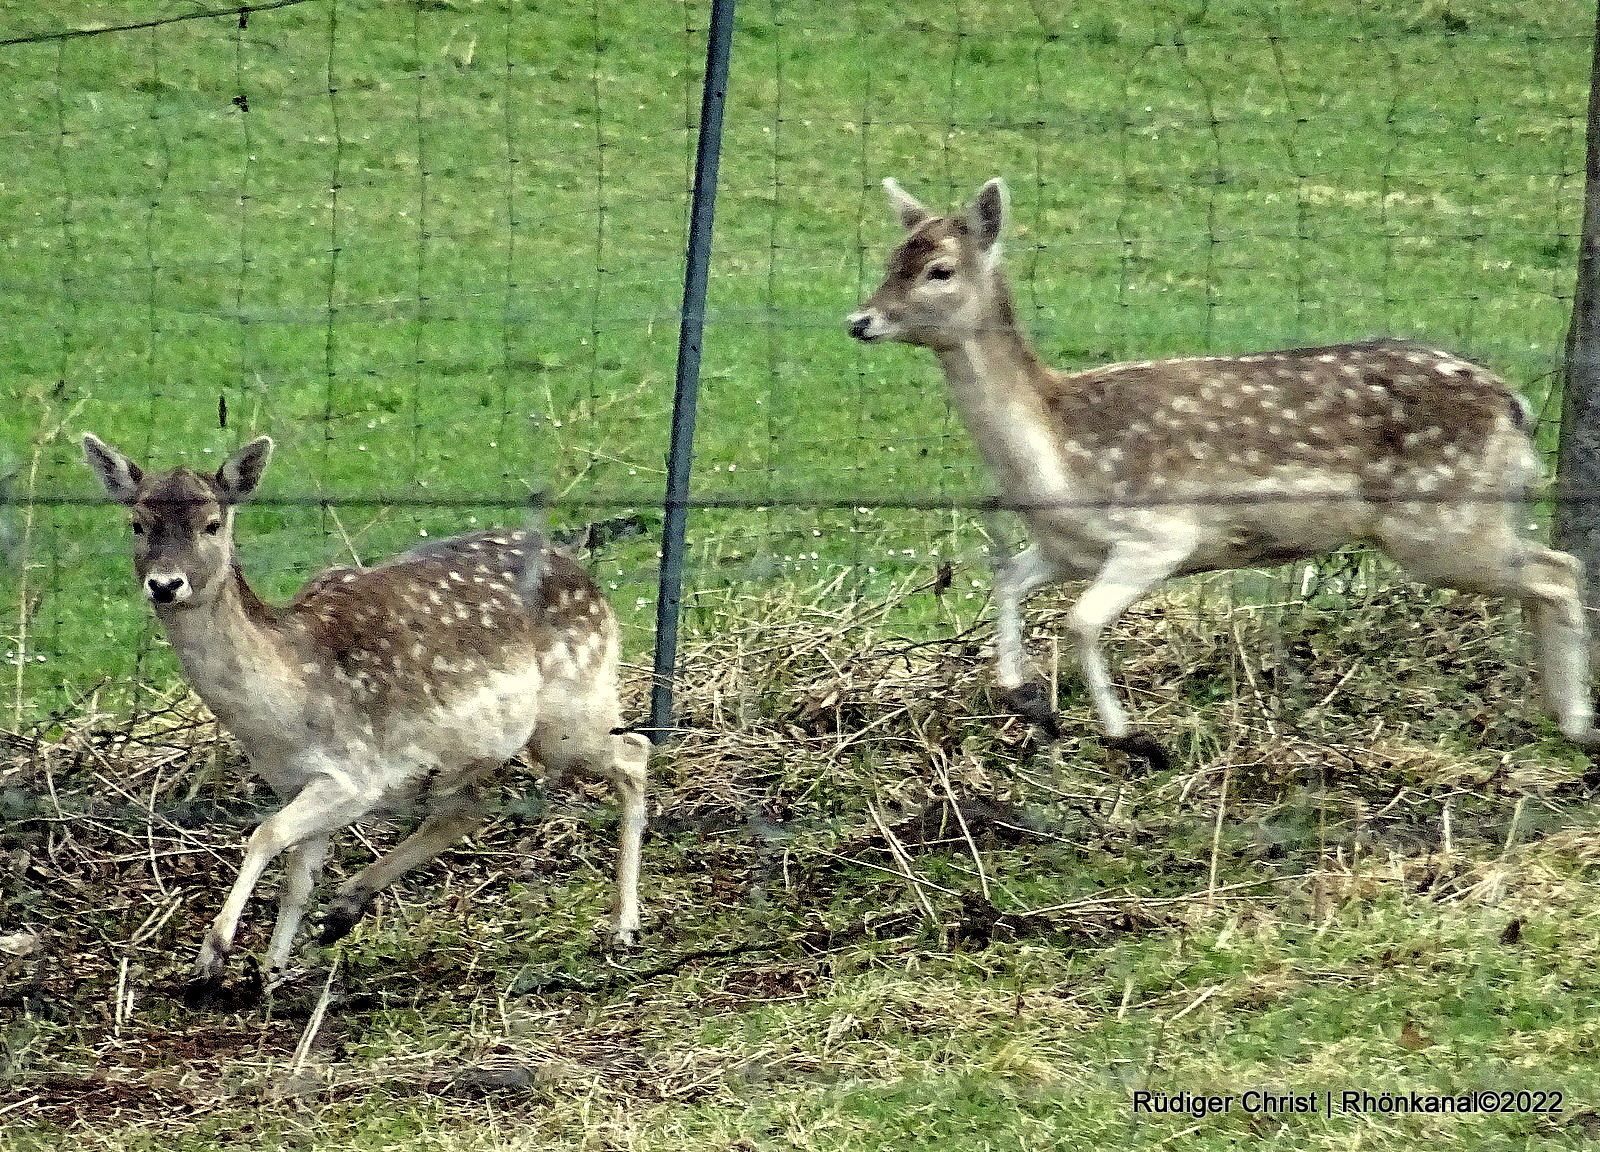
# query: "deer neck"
1000 387
235 658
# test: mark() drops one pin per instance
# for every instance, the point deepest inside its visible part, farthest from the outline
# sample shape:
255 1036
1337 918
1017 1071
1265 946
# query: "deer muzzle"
168 587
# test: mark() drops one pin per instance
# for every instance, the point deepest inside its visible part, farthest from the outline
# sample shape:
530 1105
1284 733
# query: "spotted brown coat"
1128 474
410 683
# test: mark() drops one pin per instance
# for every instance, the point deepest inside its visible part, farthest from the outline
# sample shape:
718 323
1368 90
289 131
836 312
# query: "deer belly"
1281 536
490 721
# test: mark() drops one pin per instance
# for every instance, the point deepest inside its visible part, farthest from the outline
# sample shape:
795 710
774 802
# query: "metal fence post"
1577 520
680 456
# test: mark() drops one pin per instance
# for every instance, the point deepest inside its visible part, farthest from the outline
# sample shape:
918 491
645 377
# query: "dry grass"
849 840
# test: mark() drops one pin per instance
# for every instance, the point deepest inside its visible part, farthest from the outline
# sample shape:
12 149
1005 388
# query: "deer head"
182 520
941 280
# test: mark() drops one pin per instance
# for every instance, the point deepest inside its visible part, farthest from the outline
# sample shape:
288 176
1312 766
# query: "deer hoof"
1142 746
342 916
202 992
207 990
624 939
1032 702
283 977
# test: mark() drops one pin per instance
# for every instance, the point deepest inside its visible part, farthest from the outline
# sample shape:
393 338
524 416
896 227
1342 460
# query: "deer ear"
986 216
117 473
910 213
241 472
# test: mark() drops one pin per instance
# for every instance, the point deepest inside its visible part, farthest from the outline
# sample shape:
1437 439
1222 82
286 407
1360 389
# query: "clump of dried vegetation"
845 798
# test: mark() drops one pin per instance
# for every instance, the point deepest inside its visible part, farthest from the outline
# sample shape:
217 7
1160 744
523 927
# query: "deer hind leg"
1015 580
1549 586
451 819
628 775
1131 571
1561 626
591 742
321 808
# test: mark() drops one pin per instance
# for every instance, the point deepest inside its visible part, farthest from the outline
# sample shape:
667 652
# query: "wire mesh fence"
436 250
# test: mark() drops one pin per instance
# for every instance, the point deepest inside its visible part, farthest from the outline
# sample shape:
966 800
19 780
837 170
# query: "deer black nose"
165 589
859 323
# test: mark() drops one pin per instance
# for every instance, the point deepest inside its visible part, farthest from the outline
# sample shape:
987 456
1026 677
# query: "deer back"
1391 418
437 623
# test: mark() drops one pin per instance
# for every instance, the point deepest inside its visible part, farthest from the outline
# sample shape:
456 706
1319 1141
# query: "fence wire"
435 249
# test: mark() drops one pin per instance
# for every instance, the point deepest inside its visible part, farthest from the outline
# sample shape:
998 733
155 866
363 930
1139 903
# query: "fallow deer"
403 685
1129 474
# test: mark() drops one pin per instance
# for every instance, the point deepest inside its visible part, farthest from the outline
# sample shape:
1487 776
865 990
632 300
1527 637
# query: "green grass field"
434 248
457 275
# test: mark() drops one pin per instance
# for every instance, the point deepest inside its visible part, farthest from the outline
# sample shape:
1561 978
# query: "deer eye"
213 527
138 528
940 272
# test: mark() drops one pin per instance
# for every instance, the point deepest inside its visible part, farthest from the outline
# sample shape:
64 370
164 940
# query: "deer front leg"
321 808
1129 572
1015 580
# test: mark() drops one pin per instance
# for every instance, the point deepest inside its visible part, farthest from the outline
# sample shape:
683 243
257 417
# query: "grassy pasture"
879 917
433 248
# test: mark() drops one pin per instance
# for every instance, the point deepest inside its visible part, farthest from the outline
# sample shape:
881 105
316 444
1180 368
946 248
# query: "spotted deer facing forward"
1129 474
408 684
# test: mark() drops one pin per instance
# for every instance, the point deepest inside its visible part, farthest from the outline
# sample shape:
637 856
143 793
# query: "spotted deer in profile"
409 684
1130 474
